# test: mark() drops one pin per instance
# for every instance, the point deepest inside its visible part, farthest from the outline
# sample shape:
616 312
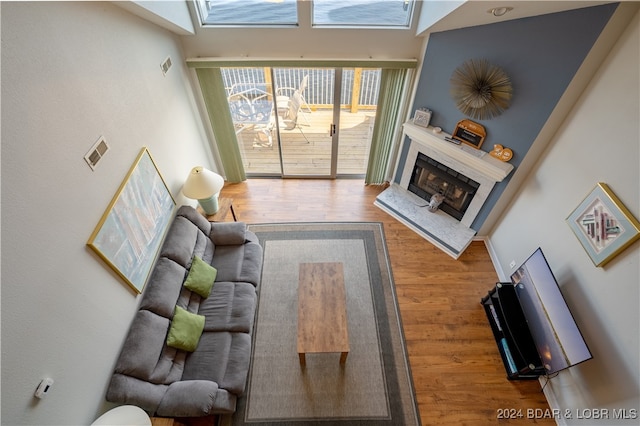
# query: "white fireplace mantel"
448 233
487 165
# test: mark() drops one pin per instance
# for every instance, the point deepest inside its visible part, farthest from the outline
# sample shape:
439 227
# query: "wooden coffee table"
322 310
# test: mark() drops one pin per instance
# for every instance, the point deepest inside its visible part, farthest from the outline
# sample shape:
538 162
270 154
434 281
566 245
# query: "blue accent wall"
540 54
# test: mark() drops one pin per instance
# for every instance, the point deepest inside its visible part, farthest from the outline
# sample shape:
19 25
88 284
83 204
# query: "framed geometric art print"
130 231
603 225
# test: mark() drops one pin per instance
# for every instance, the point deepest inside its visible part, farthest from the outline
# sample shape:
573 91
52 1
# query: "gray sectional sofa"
170 382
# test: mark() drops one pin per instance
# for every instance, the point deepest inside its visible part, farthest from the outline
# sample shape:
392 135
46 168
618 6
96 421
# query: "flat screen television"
553 328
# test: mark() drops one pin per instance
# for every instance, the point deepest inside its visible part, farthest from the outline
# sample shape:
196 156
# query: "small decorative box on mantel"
422 117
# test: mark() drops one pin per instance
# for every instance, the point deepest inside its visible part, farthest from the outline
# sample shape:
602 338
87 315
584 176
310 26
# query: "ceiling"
474 12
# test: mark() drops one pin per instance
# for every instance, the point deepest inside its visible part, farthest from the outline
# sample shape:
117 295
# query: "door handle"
332 129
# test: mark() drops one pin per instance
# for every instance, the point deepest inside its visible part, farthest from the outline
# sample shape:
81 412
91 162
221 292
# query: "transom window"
325 13
248 12
362 13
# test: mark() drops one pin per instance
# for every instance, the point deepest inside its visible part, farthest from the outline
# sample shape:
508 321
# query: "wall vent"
165 65
97 151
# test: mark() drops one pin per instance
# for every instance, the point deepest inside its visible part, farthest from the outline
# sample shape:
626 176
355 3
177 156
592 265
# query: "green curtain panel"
392 82
215 99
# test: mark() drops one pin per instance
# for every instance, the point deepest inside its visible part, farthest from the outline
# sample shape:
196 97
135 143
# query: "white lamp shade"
202 183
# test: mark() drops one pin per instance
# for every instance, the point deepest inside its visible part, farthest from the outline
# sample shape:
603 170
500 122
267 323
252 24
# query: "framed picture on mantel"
603 225
422 117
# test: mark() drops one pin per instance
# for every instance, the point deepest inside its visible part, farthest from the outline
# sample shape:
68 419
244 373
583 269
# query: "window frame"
202 15
202 12
367 26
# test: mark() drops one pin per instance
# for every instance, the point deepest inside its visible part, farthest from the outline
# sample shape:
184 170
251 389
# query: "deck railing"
360 86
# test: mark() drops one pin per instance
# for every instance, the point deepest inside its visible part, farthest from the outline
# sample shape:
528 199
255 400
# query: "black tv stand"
510 329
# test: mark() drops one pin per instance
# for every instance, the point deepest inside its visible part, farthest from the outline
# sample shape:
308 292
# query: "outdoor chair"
284 94
290 119
253 114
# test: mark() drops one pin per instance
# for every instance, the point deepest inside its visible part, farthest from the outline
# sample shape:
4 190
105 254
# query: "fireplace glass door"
431 177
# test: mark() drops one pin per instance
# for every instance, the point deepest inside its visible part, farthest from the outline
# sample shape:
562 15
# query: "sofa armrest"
193 398
228 233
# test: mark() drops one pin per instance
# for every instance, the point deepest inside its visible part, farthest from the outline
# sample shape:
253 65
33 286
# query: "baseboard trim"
493 256
552 401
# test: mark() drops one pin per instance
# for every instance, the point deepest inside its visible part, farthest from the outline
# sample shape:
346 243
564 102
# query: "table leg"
343 357
303 360
233 213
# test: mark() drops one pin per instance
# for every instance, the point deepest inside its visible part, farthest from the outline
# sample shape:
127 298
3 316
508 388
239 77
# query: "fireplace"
432 165
432 177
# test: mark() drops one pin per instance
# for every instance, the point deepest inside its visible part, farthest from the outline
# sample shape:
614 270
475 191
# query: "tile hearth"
441 229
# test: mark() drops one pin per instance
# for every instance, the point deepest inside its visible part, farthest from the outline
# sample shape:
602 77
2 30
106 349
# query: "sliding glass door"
357 116
303 122
305 98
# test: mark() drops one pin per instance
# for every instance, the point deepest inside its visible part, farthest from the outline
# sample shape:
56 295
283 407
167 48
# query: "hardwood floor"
457 372
306 148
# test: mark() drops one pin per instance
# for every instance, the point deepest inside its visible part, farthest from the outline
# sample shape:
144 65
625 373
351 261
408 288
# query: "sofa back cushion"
145 355
187 237
161 292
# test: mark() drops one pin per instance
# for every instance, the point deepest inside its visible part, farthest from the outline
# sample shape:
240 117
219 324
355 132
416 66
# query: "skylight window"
325 13
248 12
363 13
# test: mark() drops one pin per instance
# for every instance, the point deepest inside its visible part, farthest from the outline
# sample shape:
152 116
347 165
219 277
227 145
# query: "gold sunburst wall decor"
481 90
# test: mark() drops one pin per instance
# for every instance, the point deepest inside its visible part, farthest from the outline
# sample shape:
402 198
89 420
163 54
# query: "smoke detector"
500 11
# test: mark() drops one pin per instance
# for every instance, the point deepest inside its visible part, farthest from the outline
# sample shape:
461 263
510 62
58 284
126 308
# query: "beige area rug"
374 386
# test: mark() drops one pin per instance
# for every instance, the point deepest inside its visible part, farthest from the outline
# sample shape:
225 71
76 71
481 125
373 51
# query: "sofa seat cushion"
185 399
221 357
230 307
195 398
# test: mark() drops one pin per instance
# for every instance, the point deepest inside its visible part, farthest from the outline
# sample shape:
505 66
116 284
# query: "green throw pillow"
201 277
185 331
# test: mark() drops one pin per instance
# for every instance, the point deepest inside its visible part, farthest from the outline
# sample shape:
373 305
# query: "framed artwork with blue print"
603 225
132 228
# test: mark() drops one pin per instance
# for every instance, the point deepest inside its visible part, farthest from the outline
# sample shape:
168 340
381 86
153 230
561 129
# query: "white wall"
434 11
599 141
71 72
172 15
